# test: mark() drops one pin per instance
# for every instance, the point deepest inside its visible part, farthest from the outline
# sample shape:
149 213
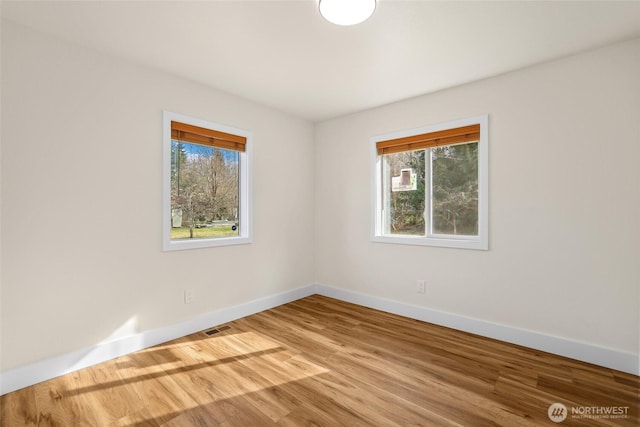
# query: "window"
430 185
206 184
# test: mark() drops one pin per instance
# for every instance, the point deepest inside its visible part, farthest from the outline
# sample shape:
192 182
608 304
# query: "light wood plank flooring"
323 362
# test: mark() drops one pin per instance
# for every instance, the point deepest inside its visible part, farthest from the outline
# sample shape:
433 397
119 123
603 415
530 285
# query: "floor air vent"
216 330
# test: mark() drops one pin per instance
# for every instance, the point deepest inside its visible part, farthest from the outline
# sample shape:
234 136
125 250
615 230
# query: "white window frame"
244 197
481 241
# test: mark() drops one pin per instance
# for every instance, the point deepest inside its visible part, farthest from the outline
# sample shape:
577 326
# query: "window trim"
245 188
479 242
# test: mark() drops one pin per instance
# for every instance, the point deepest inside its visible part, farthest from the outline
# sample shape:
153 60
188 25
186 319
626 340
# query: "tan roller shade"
432 139
213 138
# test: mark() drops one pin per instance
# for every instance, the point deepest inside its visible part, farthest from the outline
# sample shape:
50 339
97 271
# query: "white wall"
81 201
564 203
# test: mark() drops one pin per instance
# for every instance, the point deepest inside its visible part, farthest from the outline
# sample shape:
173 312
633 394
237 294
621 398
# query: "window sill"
460 242
177 245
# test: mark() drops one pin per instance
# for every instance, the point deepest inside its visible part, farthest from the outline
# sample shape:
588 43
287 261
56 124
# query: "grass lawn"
202 233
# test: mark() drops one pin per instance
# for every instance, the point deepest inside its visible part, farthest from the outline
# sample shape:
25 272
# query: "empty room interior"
253 213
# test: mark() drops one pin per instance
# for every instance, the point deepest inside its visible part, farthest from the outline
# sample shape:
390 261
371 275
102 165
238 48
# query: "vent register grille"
214 331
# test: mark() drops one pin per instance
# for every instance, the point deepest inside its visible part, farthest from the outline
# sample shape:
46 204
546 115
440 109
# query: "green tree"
178 158
455 189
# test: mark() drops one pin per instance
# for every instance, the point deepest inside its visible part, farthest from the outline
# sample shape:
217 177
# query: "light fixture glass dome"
347 12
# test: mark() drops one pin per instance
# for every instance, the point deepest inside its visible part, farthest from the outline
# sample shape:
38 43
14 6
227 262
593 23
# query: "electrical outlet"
421 286
189 296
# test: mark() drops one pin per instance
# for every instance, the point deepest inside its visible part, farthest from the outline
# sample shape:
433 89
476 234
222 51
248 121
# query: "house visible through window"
430 185
207 200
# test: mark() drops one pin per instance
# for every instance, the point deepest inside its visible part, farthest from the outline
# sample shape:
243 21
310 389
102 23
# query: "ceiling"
284 55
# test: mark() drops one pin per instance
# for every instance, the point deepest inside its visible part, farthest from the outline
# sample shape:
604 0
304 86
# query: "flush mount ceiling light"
347 12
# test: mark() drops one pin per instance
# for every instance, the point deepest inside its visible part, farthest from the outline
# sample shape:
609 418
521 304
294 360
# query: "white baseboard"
590 353
34 373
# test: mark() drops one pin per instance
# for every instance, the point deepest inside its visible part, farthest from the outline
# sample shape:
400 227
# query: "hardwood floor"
323 362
